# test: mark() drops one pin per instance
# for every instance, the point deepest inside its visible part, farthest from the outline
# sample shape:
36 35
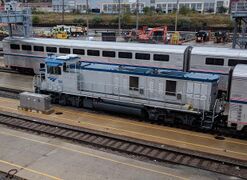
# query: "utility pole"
176 20
119 17
62 12
87 12
137 14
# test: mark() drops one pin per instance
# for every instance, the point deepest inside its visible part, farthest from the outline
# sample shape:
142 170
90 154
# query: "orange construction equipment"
148 35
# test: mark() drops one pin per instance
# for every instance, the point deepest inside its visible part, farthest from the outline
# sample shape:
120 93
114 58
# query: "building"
69 5
111 6
166 6
14 5
239 5
210 6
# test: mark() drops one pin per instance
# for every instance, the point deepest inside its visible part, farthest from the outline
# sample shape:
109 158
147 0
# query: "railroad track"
129 146
10 93
8 70
10 175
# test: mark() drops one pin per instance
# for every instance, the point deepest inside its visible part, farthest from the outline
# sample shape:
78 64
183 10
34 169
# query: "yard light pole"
87 12
119 17
176 20
62 12
137 14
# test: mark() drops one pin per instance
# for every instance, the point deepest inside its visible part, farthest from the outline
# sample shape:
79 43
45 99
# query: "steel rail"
129 146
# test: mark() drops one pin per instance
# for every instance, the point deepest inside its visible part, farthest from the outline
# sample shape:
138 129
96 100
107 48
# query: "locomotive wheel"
244 131
144 115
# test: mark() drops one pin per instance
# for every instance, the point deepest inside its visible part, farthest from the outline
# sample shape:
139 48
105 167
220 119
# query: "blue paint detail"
208 72
153 72
86 62
30 56
54 63
52 79
238 102
44 57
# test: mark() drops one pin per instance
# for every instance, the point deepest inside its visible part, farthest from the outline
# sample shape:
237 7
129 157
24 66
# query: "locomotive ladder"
208 119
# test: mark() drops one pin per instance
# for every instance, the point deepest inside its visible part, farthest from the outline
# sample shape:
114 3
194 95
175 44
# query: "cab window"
53 70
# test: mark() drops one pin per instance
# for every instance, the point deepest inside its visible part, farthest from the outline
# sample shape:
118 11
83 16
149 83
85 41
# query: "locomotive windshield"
53 70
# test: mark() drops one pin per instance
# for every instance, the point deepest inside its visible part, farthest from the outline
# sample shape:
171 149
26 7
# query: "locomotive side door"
196 94
115 84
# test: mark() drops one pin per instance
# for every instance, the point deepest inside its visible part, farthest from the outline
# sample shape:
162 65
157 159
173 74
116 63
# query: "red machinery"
148 35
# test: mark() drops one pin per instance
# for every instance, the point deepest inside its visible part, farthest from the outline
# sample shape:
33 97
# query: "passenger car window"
38 48
126 55
234 62
15 46
64 50
161 57
93 52
51 49
79 51
142 56
26 47
109 54
215 61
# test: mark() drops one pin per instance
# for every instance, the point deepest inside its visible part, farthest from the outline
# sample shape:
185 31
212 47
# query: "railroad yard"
223 156
88 100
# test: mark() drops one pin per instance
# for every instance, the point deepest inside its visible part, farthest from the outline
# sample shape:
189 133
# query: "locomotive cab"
53 72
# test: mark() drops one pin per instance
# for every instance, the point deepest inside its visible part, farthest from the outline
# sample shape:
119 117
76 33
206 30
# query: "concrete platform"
41 158
165 135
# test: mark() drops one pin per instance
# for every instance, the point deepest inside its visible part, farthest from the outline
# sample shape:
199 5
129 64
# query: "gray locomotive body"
158 94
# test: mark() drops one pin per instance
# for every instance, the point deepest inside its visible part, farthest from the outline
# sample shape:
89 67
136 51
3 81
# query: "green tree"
126 18
185 10
97 20
149 11
222 10
79 21
36 19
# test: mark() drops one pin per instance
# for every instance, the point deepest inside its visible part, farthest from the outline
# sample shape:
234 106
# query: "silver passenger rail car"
218 61
28 53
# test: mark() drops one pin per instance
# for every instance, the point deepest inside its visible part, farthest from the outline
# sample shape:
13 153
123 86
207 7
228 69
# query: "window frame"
14 46
64 52
143 56
171 90
37 48
120 55
134 83
107 54
238 61
54 70
25 47
52 47
93 52
78 50
160 59
214 61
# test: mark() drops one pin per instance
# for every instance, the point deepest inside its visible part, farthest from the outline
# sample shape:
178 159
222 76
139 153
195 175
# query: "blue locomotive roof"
155 72
55 61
